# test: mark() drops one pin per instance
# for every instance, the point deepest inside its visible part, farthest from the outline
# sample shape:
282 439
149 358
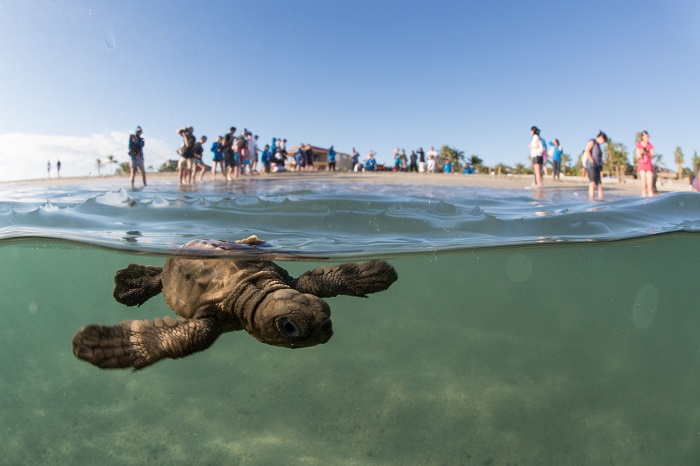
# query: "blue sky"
77 76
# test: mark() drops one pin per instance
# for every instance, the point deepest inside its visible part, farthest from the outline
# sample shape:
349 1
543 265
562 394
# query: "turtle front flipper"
352 279
136 284
140 343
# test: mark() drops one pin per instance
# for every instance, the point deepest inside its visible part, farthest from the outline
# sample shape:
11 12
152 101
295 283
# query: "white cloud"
26 155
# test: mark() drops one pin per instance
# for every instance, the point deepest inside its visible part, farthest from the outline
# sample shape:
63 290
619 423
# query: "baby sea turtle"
214 295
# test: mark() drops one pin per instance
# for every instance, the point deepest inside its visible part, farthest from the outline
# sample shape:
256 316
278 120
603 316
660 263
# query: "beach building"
342 160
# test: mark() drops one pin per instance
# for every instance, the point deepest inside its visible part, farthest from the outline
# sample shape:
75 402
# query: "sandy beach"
628 187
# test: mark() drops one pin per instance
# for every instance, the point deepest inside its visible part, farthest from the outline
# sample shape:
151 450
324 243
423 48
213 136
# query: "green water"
580 354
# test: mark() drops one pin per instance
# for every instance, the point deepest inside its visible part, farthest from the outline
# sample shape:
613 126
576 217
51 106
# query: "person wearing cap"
136 144
594 164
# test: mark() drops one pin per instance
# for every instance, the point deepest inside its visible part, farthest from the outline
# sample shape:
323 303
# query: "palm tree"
111 160
520 169
678 158
617 158
565 161
99 165
452 154
123 169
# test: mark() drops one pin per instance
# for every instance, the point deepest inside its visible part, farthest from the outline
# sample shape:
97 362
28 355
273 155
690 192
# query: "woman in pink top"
645 168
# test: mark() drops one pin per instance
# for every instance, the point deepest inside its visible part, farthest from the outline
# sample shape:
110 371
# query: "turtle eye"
288 328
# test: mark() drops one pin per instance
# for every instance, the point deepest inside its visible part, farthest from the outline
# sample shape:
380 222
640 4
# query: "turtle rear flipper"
136 284
140 343
351 279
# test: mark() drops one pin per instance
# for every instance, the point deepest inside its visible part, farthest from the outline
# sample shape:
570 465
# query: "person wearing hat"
594 164
136 144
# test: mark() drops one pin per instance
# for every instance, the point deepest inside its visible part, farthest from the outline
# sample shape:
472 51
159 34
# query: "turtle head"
292 319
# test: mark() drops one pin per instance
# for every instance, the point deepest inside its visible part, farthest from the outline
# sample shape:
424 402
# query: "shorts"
137 163
228 159
538 160
593 172
218 157
184 162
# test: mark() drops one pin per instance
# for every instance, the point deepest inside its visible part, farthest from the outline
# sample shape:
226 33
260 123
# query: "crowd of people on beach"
592 160
234 155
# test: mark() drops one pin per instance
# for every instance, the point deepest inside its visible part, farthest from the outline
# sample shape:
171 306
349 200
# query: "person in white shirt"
536 151
432 160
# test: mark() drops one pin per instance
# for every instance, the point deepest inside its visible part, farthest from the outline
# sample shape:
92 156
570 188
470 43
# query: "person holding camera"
136 144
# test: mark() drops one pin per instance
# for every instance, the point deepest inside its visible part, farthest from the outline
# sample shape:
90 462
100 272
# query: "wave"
336 219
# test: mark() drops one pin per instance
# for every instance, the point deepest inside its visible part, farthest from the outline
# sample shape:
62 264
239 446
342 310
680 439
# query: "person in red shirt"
645 167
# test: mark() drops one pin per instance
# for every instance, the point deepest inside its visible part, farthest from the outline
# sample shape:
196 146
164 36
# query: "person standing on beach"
555 151
58 168
413 165
536 150
48 168
240 155
227 150
421 160
218 158
136 143
198 160
331 159
309 152
645 166
252 152
266 159
355 157
184 165
594 164
432 160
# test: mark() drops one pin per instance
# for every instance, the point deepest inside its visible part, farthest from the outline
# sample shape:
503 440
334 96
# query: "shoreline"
628 187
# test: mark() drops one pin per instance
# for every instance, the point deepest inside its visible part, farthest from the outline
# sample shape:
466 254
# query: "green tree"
167 166
452 154
696 162
124 168
520 169
565 163
111 160
616 158
99 165
679 159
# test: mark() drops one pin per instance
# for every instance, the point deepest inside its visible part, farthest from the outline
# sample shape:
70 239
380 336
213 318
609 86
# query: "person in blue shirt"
371 163
555 152
218 158
299 157
266 158
331 159
447 166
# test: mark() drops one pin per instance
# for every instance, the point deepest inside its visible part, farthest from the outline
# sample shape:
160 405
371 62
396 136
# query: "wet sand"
628 187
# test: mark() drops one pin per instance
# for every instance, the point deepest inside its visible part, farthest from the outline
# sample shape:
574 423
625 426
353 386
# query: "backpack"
134 147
